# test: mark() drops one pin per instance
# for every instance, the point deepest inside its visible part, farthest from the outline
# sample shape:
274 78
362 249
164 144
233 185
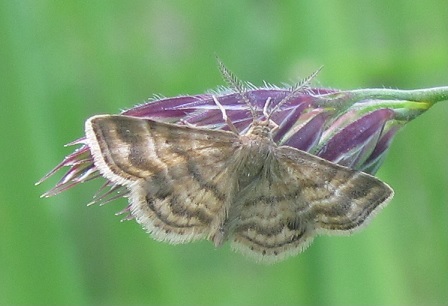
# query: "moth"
188 183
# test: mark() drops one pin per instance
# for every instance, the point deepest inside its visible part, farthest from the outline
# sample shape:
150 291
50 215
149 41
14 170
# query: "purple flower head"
351 128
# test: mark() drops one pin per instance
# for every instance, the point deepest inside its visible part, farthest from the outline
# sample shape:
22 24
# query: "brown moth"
187 183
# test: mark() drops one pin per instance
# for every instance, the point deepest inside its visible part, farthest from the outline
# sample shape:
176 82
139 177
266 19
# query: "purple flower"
351 128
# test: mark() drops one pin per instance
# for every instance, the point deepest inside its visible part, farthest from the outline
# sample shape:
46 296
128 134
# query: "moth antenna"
265 108
236 85
225 117
297 89
274 126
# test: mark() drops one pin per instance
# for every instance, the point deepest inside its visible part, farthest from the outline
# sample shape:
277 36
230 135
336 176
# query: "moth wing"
177 175
299 196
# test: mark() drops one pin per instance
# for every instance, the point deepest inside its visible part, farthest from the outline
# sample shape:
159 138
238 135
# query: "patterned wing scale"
177 175
271 222
341 199
301 196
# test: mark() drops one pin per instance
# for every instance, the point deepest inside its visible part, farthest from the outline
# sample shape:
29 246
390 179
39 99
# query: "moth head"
263 128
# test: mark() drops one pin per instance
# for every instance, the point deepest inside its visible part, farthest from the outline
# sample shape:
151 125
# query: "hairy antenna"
236 85
297 89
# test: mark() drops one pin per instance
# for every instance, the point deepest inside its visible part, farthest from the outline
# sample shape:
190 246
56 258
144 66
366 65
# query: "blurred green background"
63 61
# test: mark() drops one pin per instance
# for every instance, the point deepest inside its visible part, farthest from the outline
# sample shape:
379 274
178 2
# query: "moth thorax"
262 129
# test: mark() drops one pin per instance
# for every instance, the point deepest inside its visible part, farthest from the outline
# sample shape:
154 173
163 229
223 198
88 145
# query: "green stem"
432 95
407 104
